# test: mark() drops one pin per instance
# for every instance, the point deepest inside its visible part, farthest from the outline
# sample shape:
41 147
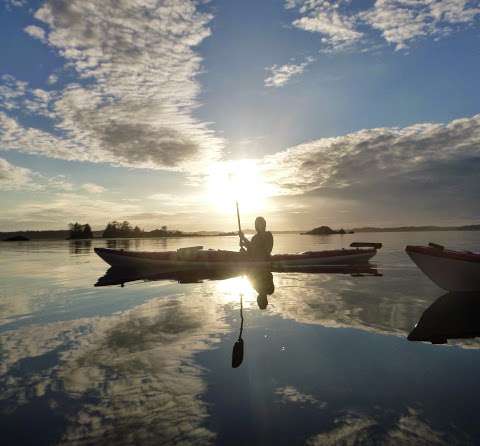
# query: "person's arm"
269 246
244 242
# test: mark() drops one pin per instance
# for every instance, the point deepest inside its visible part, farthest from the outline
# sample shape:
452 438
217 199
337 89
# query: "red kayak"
198 258
450 270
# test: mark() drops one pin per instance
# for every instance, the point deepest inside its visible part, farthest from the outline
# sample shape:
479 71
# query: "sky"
309 112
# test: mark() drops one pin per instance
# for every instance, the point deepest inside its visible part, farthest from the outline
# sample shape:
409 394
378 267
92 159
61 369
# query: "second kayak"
450 270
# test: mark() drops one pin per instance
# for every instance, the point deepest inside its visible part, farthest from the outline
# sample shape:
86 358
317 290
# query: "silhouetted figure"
261 245
262 281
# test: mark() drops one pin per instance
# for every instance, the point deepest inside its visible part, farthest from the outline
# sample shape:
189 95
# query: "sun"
239 180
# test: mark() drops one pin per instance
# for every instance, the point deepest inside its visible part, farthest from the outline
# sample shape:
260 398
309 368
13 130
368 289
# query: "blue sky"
352 113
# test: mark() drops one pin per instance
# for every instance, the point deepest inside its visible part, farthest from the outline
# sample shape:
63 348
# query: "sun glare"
231 289
238 180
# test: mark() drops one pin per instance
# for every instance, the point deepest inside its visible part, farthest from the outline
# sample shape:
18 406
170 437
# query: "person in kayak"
261 245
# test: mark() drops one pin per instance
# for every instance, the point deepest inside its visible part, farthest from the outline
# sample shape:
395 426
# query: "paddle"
237 353
239 227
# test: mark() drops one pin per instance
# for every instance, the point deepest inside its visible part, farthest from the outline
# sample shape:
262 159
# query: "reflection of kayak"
120 276
452 316
197 258
450 270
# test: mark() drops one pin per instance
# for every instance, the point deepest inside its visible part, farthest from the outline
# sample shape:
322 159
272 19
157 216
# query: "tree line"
79 231
116 229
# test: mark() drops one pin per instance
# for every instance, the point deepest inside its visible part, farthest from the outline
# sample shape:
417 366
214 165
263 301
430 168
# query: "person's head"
262 301
260 224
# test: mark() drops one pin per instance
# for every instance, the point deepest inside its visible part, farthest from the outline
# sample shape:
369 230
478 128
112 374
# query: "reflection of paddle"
237 353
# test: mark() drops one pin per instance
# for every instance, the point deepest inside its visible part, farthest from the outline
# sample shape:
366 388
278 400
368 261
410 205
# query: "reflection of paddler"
262 281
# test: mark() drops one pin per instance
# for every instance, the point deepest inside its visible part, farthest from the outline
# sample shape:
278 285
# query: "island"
16 238
326 230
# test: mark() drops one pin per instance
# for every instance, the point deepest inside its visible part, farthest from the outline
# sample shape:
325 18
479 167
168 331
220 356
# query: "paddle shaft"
238 219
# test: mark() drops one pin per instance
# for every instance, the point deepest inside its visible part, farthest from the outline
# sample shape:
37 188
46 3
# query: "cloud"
136 90
15 4
93 188
15 178
331 19
63 207
403 21
16 96
36 32
280 75
400 22
416 164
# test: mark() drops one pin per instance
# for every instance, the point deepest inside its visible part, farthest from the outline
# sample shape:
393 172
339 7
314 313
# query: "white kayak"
198 258
450 270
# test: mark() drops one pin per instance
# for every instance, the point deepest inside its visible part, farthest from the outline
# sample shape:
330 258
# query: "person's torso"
261 245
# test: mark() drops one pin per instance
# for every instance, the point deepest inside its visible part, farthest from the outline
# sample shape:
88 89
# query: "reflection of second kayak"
451 316
119 276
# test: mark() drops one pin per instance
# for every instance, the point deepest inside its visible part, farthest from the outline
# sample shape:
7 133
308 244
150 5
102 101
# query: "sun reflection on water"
230 290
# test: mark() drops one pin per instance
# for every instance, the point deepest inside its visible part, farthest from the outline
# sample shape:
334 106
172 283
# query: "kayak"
450 270
197 258
451 316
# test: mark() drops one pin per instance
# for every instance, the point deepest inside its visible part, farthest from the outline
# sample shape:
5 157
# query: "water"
327 362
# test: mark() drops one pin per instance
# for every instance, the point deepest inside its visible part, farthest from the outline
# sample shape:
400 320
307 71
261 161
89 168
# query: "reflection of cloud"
131 375
408 429
135 92
321 299
290 394
316 299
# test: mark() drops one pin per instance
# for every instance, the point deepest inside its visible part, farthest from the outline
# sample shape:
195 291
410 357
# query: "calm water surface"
327 362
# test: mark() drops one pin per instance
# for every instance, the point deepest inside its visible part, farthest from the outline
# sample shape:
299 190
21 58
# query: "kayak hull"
214 260
450 270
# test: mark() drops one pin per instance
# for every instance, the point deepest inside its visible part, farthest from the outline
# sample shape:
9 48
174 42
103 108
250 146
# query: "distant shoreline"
63 234
419 229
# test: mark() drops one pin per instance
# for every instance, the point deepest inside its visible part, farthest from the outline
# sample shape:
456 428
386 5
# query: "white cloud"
36 31
93 188
387 159
15 178
15 95
133 105
280 75
62 207
15 3
331 19
400 22
403 21
52 79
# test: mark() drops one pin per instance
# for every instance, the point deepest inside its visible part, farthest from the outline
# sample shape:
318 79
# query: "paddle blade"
237 354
